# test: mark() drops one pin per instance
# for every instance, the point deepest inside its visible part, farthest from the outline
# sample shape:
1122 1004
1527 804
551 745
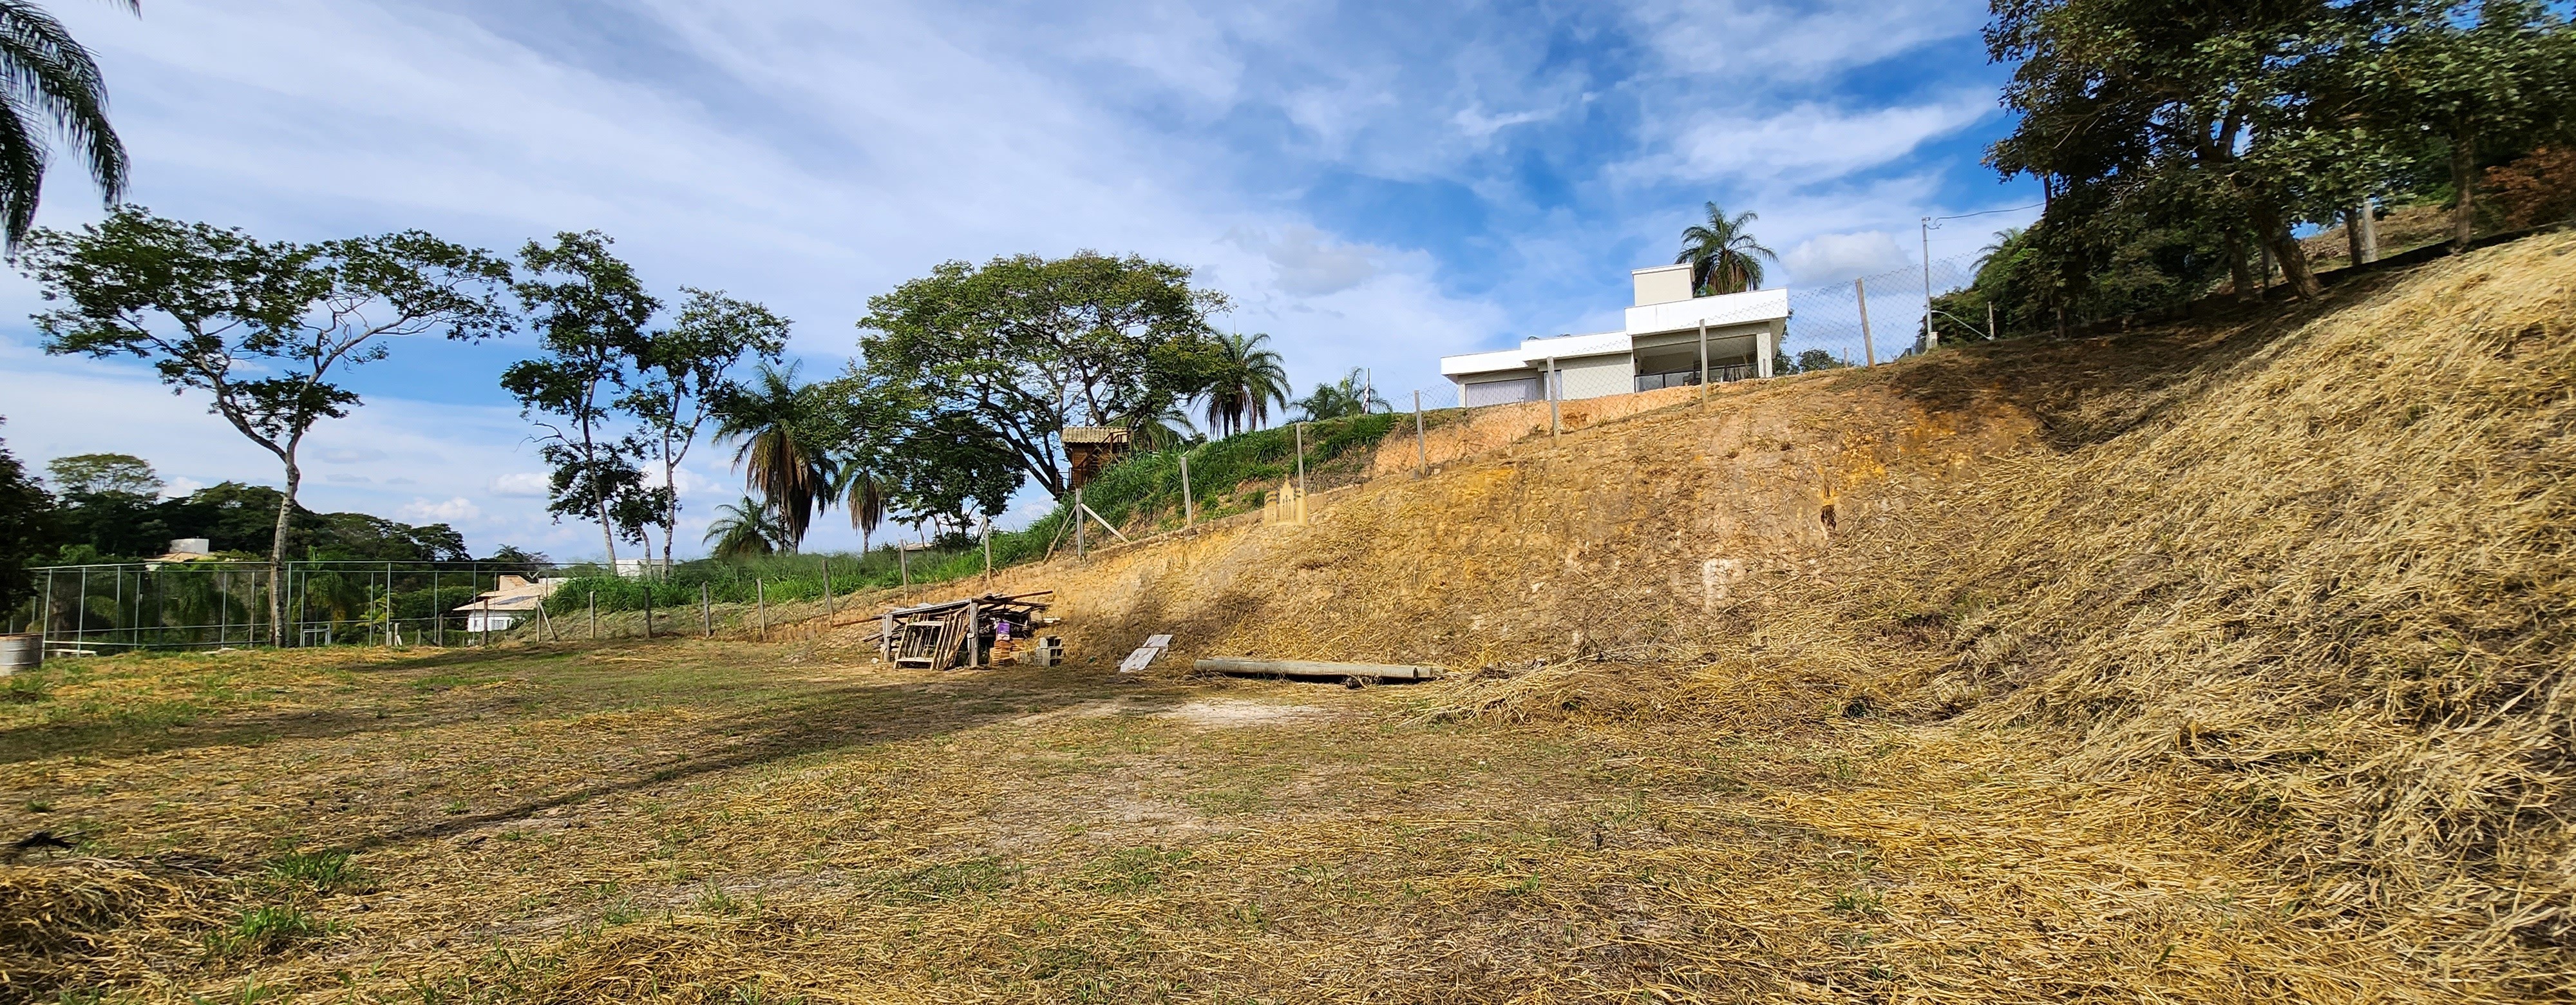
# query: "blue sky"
1375 185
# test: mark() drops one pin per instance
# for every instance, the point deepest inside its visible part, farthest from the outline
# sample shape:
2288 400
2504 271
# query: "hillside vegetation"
2224 662
2305 569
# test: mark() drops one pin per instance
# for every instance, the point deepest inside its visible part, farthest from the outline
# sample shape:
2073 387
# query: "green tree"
2126 106
108 502
262 328
53 84
687 372
784 435
2470 74
1350 395
746 529
93 473
589 311
1023 346
1723 255
1248 381
25 528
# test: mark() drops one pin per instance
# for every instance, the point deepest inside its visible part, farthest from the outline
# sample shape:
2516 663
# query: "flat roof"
1535 352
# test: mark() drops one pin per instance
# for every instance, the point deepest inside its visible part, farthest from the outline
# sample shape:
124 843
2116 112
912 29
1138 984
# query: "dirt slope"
2306 567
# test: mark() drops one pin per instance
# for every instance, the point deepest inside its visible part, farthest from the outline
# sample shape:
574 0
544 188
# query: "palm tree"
864 492
1351 395
52 82
743 530
1248 382
1160 426
1723 256
773 419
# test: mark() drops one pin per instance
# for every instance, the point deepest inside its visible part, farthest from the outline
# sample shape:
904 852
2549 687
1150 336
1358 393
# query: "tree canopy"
263 328
2175 142
590 313
977 364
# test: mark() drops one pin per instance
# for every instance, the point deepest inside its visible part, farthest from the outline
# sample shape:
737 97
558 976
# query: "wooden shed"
1092 449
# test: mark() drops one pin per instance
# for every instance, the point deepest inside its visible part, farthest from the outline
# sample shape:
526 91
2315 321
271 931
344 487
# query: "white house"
511 600
1671 338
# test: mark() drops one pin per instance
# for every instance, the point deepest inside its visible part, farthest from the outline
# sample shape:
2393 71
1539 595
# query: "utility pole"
1078 528
1189 506
1868 349
1931 338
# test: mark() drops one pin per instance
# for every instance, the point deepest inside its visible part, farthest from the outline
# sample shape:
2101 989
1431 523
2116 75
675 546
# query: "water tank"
21 652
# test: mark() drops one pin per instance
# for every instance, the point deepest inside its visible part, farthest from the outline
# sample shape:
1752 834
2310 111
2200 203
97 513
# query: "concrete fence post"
1868 349
1421 443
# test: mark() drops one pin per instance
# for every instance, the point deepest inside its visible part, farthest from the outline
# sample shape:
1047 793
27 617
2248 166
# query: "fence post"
80 611
903 562
594 615
760 595
1547 383
45 622
1189 506
1078 531
1868 349
827 591
974 637
988 544
1703 361
1421 445
706 612
487 621
1301 468
1992 335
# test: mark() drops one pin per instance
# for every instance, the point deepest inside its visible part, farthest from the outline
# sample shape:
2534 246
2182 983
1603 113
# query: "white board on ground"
1144 655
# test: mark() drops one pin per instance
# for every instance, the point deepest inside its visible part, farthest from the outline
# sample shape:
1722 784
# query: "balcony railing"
1685 378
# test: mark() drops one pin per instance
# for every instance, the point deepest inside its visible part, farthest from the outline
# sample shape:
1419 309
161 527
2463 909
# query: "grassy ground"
714 821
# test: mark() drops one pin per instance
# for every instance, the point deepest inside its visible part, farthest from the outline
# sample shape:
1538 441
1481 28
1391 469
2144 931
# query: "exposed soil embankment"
2309 566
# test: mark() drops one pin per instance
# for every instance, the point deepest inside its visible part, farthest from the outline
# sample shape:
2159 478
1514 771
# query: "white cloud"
1307 262
522 485
350 455
1809 143
1792 42
345 478
451 511
1832 258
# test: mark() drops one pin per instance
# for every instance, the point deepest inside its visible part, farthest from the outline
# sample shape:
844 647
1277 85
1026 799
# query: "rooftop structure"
1670 339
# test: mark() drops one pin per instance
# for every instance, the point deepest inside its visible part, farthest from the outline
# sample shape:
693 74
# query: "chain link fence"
202 605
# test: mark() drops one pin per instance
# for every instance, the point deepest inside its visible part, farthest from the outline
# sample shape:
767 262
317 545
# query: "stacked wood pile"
976 631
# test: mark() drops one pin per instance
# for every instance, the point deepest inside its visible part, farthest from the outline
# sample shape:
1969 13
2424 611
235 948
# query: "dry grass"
2215 664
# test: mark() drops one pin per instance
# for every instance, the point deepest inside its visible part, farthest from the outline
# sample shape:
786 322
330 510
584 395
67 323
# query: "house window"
1502 392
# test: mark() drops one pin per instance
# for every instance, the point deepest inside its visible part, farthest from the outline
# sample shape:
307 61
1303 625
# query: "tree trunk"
670 500
277 554
607 531
2237 274
2352 230
2464 179
2287 251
